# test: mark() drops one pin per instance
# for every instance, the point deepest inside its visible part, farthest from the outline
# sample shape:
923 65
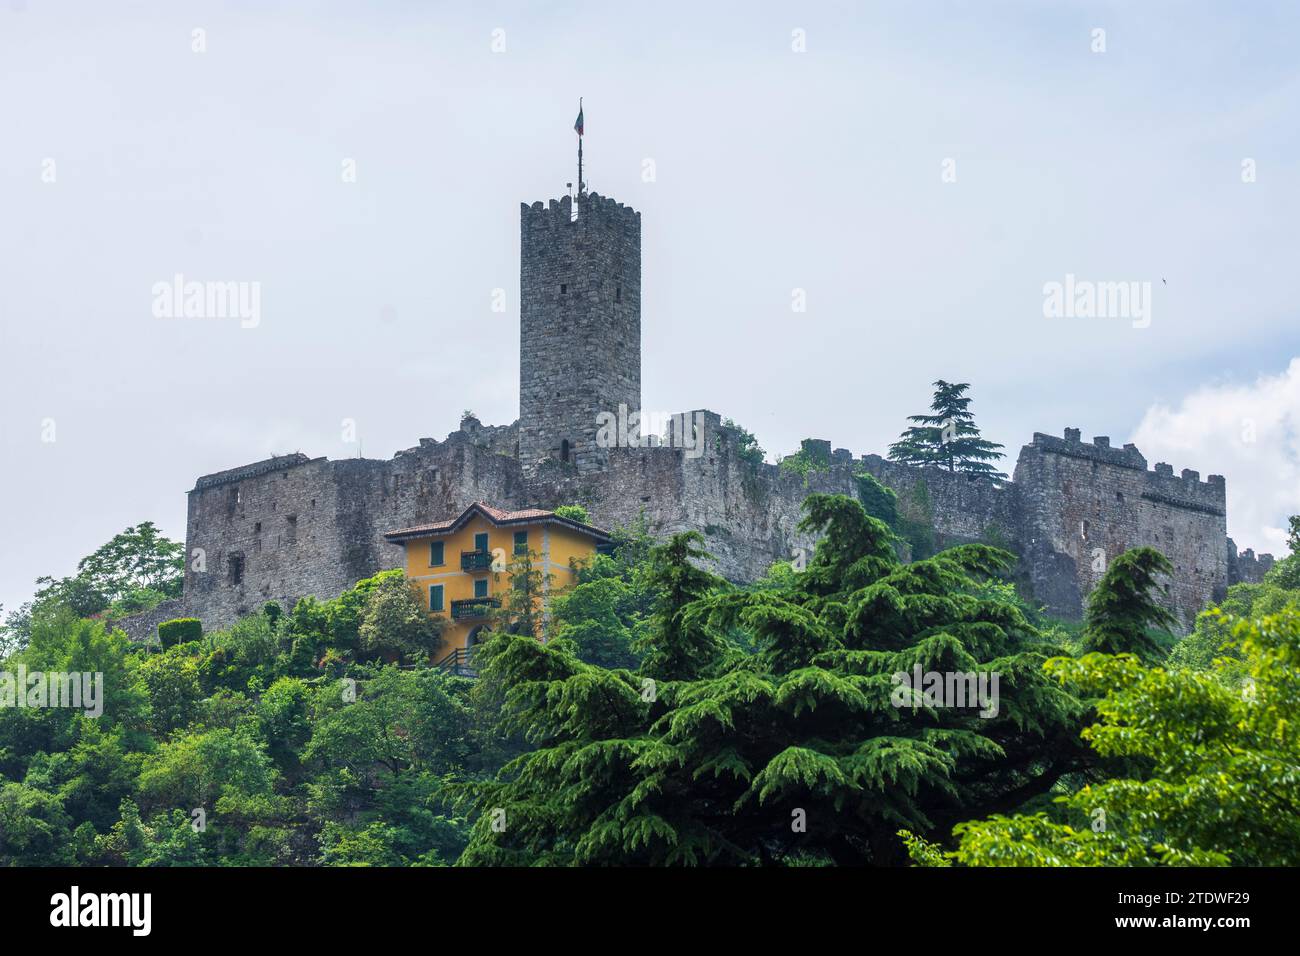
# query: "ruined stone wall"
289 527
1245 567
958 508
311 526
579 325
1083 504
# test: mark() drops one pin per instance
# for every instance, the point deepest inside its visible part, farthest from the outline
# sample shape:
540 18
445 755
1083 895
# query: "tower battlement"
593 210
1185 490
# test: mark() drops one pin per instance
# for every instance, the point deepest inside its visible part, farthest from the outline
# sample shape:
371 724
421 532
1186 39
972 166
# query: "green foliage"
394 622
573 513
913 525
749 449
181 630
1220 757
286 756
522 609
811 457
1124 610
877 500
672 718
948 438
713 753
139 557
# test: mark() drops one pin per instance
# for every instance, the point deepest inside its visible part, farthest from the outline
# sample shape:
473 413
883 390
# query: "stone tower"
579 326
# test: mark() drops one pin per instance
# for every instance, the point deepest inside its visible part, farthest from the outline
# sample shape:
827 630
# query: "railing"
476 560
459 662
473 607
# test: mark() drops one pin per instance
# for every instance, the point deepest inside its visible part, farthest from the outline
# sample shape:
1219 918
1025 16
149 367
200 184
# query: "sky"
841 203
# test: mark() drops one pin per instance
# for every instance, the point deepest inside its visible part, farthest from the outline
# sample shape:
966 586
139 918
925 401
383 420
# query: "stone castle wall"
1083 504
294 526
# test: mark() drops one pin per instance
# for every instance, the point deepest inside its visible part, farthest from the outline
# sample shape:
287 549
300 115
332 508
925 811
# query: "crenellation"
292 526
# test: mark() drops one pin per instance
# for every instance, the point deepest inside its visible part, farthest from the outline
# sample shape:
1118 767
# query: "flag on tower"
577 124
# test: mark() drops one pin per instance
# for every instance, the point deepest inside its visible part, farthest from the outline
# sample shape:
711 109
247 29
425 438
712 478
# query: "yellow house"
461 565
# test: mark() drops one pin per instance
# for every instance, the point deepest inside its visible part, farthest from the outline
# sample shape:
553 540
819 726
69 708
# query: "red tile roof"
496 516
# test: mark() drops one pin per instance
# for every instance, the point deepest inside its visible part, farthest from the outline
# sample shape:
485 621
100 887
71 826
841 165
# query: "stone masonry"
292 526
579 325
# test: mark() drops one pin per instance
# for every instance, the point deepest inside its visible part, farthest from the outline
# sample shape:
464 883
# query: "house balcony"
476 560
471 608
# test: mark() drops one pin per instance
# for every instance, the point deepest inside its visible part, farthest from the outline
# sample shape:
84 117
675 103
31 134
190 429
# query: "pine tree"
797 751
948 438
1123 609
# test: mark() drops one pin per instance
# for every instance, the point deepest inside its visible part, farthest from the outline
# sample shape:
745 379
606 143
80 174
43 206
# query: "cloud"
1248 433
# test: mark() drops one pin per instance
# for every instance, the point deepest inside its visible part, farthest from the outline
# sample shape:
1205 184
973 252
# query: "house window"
435 597
1083 530
618 293
435 554
257 527
481 542
481 588
521 542
563 288
564 450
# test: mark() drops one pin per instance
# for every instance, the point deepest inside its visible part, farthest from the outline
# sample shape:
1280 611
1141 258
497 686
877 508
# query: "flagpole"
580 183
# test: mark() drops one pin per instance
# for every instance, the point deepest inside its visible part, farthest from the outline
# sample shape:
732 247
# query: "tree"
135 571
140 557
523 610
675 646
379 768
573 513
1123 609
796 752
948 438
395 621
1293 534
599 617
747 445
1221 786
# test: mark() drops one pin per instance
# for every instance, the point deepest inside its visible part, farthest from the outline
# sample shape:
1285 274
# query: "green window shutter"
521 542
435 554
435 597
480 588
481 541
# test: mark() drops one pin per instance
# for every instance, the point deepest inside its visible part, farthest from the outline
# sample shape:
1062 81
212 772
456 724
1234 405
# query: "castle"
292 526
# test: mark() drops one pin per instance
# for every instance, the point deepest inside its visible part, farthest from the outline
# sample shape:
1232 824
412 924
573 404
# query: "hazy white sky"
774 170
